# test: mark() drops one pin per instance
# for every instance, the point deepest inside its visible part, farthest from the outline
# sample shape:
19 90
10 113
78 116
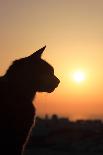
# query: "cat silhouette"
18 88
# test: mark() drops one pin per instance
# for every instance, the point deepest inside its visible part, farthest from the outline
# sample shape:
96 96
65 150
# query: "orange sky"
73 33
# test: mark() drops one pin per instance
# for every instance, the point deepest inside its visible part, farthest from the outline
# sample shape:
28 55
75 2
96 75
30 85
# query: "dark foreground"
59 136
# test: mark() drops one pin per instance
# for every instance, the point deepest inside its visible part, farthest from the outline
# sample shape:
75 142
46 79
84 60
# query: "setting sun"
78 76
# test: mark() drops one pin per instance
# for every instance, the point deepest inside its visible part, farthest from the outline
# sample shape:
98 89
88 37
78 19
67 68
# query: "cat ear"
38 53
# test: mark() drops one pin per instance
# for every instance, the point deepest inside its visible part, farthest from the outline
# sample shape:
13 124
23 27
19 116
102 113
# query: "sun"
78 76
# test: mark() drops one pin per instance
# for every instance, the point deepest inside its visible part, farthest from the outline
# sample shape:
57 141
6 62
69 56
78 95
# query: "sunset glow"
72 31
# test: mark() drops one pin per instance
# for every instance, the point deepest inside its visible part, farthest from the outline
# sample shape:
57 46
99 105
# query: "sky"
72 30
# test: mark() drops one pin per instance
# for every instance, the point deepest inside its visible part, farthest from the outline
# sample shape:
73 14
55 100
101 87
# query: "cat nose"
57 80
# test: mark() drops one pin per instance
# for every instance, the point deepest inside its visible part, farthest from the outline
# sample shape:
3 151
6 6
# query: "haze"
73 33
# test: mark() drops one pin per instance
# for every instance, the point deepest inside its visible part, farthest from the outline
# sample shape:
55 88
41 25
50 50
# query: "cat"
18 88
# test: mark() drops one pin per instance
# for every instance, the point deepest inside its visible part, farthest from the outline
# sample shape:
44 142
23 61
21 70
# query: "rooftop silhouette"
62 135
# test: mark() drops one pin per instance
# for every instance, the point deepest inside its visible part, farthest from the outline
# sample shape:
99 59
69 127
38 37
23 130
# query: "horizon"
72 119
72 31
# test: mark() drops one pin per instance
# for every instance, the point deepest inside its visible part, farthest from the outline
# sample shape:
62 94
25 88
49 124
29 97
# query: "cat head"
32 73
